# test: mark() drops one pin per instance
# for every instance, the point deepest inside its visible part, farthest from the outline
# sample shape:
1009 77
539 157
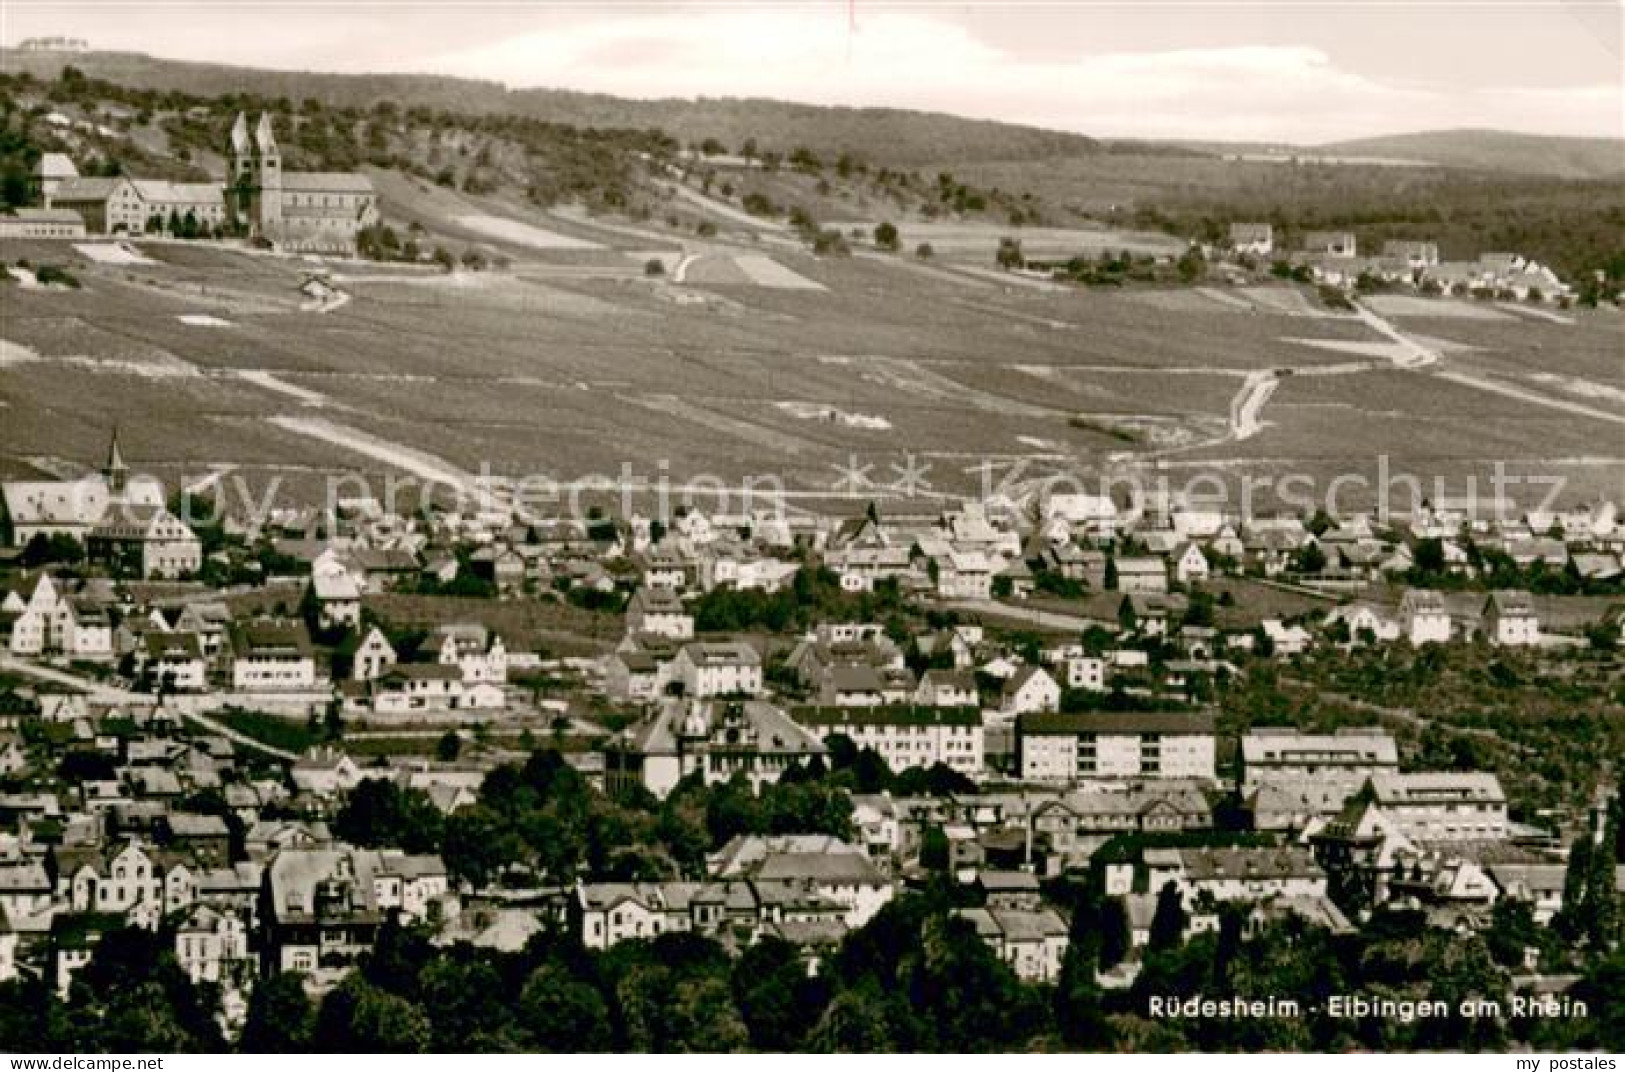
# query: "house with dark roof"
323 906
1032 941
1510 619
172 662
836 870
716 739
272 655
718 668
659 611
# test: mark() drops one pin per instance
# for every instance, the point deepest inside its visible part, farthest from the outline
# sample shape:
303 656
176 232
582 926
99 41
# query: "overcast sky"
1304 71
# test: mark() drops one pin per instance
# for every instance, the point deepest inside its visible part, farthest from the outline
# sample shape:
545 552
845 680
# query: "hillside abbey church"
300 211
303 210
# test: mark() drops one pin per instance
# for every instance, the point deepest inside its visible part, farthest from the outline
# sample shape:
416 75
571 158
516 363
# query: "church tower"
242 183
116 473
268 159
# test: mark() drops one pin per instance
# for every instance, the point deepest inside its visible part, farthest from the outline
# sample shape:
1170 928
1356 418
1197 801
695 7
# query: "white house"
1032 941
718 668
905 736
1142 575
373 656
1087 672
1252 239
272 656
1510 619
946 688
1190 565
1424 617
478 654
1030 689
964 575
658 611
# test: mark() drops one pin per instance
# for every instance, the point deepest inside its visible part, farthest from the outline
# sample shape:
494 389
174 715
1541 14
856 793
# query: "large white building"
1108 744
1443 806
905 736
1351 754
30 508
145 541
272 656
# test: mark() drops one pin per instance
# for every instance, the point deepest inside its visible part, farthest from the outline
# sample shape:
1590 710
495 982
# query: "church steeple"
240 144
264 136
115 471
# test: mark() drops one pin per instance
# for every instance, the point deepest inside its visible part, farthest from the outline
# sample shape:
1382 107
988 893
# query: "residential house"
658 611
946 688
1252 239
637 672
272 656
1412 254
1540 885
716 739
964 575
374 656
1330 243
1190 565
1030 689
1031 941
338 597
211 946
718 668
1510 619
479 655
1365 622
1142 575
834 869
173 662
1424 618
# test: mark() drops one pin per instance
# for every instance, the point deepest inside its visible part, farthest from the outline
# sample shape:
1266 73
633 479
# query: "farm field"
766 362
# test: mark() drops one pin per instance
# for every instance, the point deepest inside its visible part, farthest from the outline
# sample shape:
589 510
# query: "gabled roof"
333 182
171 645
1509 603
270 639
56 166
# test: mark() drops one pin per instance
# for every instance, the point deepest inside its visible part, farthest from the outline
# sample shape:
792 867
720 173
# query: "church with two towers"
313 211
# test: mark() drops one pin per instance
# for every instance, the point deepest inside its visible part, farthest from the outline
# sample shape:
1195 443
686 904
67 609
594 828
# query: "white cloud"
914 60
